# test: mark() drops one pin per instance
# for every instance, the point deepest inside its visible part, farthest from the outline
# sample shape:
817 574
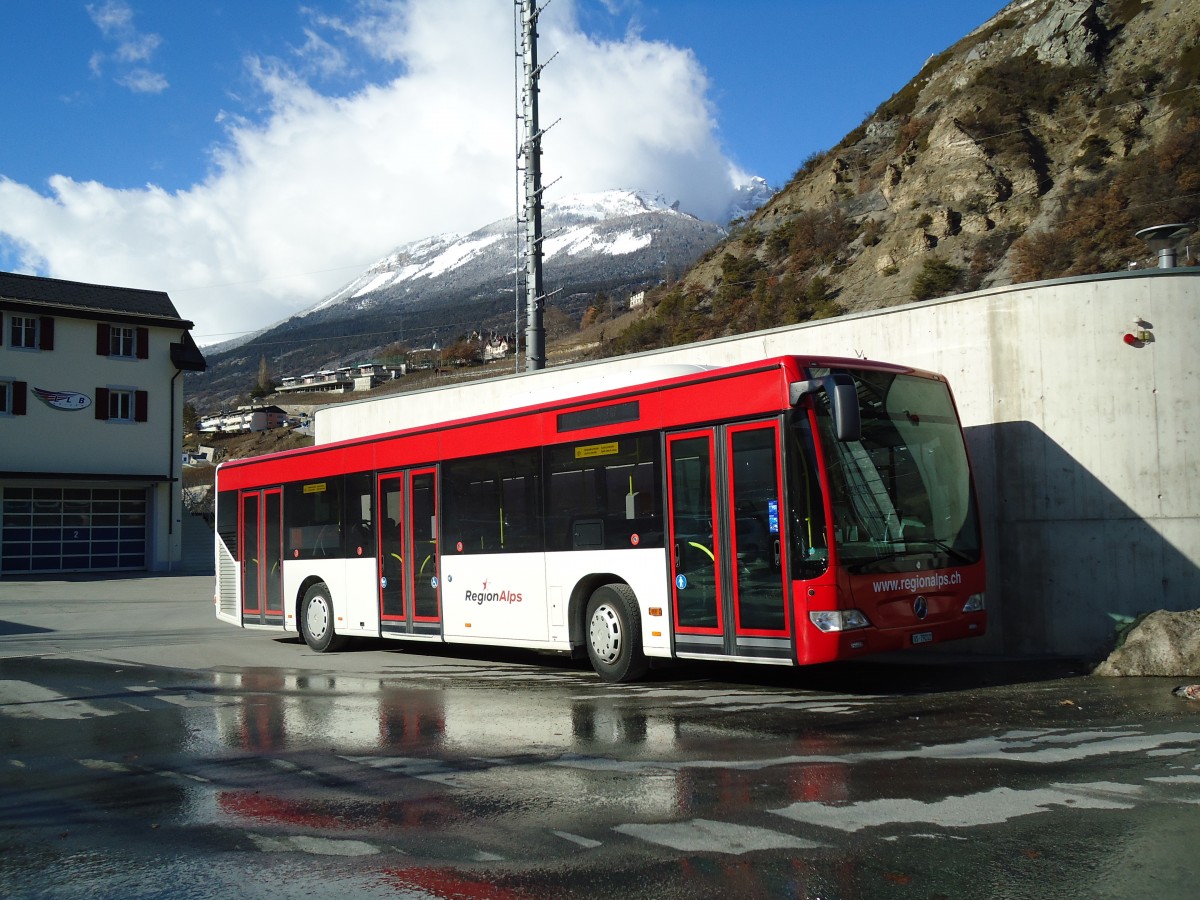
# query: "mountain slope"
1034 147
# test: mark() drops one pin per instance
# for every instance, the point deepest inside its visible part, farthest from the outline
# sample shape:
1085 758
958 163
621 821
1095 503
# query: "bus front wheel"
316 621
614 634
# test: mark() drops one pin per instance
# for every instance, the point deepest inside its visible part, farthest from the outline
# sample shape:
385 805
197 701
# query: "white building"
245 419
360 377
91 410
495 348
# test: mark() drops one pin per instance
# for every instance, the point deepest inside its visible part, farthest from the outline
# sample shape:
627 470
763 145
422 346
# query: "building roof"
88 301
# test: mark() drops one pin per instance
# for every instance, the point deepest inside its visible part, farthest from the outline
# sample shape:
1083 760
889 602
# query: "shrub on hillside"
1093 153
814 237
1095 231
937 278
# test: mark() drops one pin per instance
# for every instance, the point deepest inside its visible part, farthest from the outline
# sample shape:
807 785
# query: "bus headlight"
975 603
838 619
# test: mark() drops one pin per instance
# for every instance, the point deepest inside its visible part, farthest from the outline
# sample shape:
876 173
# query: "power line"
212 287
1041 182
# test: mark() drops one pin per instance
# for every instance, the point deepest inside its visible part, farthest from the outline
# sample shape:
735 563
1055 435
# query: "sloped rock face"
1067 34
1164 643
990 140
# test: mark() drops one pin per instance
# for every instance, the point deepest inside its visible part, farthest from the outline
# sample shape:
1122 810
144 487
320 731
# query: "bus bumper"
820 646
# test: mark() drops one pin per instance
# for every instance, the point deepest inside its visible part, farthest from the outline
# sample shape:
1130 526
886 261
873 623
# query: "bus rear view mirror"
843 402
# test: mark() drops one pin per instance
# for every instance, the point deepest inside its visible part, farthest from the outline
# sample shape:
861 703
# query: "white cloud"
322 56
114 18
143 81
134 48
297 204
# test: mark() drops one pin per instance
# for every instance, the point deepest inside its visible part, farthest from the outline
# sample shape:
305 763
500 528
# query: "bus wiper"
901 547
949 550
857 565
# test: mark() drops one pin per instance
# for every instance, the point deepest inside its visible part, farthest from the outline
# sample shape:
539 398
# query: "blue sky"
251 157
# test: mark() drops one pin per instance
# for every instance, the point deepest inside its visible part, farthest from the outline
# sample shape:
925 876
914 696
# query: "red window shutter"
143 343
46 336
18 398
102 348
102 401
141 403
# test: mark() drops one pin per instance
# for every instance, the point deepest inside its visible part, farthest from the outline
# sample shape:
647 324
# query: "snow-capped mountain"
748 198
603 238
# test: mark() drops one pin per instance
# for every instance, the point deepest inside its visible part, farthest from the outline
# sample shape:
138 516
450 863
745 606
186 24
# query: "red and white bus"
786 511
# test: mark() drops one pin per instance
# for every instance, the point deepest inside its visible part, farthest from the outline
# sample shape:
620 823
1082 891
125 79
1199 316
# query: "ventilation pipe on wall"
1164 239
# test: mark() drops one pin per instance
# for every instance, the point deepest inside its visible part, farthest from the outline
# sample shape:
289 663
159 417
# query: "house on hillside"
91 420
245 419
496 347
359 377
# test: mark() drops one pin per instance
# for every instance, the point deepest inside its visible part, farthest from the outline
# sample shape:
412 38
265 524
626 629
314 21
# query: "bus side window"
312 517
604 494
493 504
359 518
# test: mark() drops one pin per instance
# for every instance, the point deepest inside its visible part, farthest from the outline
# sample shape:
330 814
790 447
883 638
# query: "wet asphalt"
150 751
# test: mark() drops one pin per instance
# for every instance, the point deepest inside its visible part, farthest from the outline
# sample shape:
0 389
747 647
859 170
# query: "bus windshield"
901 496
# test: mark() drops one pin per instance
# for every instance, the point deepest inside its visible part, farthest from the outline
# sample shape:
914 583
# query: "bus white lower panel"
358 609
494 597
645 571
296 571
517 599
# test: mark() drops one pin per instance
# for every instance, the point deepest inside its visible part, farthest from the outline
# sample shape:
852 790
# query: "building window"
31 332
122 404
122 341
24 332
12 397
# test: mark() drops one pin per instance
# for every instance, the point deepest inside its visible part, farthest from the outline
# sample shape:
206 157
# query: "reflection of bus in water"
445 773
537 744
416 757
788 511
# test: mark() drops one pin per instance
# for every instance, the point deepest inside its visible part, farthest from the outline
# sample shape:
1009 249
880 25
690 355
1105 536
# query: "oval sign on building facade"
67 400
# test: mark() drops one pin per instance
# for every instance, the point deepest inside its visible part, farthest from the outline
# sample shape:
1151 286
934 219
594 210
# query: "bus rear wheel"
316 621
614 634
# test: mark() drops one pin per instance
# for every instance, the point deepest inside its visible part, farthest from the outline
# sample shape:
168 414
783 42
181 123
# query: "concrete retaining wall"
1084 447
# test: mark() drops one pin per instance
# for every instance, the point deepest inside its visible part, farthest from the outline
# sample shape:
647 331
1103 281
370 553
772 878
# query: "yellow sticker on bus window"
589 450
318 488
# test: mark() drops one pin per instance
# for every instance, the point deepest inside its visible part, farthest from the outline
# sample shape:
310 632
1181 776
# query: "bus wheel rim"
318 617
605 634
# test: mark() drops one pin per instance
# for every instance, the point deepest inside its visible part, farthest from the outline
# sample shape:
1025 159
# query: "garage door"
70 529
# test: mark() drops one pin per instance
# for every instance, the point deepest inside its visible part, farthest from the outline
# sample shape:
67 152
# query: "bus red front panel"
904 610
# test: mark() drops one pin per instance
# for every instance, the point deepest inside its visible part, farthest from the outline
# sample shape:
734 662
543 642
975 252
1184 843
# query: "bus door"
729 586
261 543
409 596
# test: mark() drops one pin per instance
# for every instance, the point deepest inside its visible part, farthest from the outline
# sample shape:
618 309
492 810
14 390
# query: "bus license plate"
923 638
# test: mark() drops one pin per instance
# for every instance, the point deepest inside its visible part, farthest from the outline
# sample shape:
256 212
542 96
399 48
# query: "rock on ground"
1164 643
